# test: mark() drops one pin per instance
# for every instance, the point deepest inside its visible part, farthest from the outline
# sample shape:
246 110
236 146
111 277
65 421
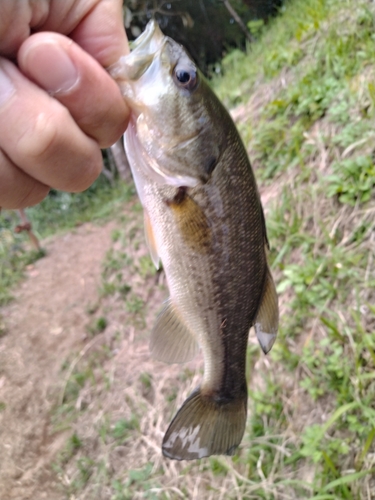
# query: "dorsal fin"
267 319
264 228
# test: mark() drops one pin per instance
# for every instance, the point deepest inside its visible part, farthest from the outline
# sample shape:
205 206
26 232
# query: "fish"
204 223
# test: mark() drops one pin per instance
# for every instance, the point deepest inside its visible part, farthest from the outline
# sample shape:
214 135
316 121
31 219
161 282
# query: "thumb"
78 82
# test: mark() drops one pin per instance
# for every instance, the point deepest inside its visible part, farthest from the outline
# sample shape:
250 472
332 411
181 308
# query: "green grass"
15 255
61 211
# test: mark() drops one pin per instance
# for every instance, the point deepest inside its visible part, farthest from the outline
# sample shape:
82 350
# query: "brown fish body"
204 221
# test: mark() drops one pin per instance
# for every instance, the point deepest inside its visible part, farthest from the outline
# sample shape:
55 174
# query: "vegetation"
304 100
58 212
208 29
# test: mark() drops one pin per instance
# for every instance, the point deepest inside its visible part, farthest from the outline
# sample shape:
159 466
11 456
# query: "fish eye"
186 78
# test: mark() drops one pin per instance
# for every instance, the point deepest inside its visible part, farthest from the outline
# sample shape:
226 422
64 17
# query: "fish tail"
206 426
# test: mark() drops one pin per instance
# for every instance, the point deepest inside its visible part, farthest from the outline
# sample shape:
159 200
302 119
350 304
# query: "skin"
58 105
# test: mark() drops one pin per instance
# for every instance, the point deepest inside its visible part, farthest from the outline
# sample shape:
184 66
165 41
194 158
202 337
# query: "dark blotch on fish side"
191 220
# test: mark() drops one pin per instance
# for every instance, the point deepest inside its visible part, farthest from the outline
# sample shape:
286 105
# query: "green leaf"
350 478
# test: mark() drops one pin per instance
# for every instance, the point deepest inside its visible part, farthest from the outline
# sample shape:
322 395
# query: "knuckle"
112 126
88 171
34 195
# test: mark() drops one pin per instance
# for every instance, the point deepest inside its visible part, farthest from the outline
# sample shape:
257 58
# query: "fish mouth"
151 37
144 49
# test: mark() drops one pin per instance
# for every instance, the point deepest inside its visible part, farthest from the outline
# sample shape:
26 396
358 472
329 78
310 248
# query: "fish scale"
205 223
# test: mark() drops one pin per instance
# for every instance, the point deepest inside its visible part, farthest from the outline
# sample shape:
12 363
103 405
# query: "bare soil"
46 321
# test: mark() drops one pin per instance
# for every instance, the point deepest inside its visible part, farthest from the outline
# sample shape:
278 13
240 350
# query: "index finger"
102 34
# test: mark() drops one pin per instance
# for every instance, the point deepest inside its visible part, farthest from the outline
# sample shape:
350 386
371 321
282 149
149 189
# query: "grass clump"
15 255
61 211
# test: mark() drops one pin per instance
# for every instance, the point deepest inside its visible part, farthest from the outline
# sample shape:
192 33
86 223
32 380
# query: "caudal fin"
204 427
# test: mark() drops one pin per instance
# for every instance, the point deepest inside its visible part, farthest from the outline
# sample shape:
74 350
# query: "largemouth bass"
204 222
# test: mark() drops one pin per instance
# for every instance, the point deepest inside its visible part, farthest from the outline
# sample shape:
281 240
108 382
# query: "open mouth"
132 66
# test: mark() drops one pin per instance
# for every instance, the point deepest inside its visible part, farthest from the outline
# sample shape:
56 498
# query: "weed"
73 444
146 267
146 380
136 307
61 211
353 180
123 427
14 256
98 325
3 328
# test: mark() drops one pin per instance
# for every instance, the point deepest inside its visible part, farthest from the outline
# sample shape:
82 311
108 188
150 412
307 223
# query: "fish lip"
132 66
146 36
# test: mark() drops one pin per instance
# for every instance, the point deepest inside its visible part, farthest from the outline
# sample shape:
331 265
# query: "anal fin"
267 320
150 240
171 340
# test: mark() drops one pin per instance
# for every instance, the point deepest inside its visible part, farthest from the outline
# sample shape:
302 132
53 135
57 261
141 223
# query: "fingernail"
7 88
51 67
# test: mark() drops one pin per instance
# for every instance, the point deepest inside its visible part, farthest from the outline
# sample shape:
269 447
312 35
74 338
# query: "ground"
44 323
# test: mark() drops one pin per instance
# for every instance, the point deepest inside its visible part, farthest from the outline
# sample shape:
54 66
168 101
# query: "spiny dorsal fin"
204 427
171 340
267 320
150 240
266 242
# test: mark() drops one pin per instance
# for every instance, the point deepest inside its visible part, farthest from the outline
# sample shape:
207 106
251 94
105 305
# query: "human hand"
58 105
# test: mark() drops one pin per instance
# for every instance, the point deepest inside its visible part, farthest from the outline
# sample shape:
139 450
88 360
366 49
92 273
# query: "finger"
96 25
73 77
39 135
17 189
100 31
16 20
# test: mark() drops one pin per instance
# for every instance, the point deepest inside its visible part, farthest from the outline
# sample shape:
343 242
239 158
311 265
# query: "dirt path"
43 324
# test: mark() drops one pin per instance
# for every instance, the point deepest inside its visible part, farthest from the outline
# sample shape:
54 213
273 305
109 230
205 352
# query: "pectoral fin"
267 320
171 340
150 240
